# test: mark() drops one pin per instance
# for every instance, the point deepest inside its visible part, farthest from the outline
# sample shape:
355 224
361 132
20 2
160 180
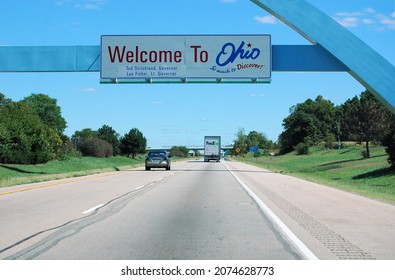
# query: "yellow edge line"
84 178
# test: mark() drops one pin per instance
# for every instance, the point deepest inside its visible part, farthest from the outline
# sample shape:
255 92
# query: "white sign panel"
186 58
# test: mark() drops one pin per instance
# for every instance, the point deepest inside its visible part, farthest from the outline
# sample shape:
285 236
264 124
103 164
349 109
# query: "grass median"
345 169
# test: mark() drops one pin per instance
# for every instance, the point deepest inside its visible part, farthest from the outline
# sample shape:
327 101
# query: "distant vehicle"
157 159
212 148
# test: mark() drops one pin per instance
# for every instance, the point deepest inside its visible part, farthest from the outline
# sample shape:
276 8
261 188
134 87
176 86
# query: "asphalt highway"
196 211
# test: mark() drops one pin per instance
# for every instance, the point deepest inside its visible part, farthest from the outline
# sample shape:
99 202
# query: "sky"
180 114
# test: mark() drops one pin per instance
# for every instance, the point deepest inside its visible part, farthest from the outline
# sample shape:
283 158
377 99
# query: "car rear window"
155 154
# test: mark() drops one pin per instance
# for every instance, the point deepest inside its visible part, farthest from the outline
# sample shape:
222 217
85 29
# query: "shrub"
330 141
258 154
96 148
302 148
68 150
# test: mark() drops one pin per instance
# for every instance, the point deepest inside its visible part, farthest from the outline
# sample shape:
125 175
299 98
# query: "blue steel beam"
86 59
365 64
50 59
304 58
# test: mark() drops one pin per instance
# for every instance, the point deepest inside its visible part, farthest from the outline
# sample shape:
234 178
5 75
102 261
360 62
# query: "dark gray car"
157 159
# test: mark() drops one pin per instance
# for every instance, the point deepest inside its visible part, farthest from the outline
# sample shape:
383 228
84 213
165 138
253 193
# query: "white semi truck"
212 148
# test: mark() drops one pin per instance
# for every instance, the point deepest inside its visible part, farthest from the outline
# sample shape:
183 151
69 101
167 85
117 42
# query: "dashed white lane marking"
101 205
93 209
276 220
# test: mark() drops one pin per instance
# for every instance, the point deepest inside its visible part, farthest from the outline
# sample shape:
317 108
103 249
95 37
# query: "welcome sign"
201 58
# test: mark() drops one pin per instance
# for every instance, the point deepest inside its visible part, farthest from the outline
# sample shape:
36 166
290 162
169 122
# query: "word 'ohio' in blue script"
229 53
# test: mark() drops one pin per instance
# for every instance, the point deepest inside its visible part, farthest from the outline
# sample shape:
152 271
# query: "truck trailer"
212 148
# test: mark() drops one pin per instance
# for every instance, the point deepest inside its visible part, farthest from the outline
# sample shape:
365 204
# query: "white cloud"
90 89
266 19
368 21
86 6
82 4
348 14
370 10
257 95
348 21
367 16
389 23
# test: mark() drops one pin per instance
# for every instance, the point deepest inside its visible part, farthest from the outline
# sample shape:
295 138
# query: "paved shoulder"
334 224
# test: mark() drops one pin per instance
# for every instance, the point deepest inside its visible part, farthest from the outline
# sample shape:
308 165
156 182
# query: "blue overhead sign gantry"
334 48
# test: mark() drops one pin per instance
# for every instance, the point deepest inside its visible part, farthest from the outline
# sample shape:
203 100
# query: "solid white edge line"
273 217
93 209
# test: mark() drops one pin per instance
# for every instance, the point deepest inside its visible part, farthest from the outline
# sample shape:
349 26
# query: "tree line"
106 142
361 119
243 142
32 132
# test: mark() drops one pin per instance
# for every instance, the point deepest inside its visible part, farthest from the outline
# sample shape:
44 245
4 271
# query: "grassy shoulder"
16 174
344 169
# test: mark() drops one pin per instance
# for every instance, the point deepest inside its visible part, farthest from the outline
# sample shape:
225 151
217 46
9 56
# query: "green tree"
258 139
48 110
24 138
254 138
85 134
365 119
300 127
133 143
348 119
310 122
4 101
241 142
108 134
